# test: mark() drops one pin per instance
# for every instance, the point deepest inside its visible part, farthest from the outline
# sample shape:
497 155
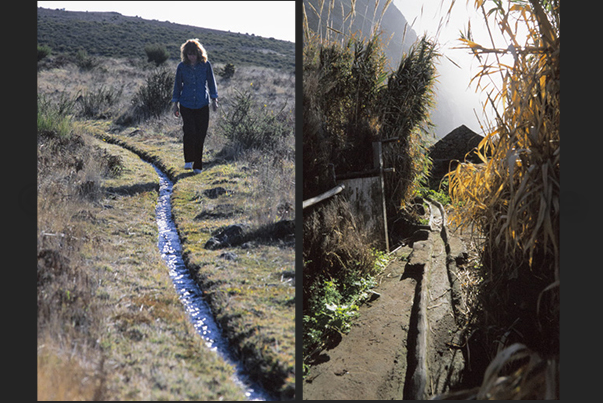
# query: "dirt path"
370 361
397 349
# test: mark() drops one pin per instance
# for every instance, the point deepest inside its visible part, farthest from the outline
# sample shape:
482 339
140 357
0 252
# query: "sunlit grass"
142 345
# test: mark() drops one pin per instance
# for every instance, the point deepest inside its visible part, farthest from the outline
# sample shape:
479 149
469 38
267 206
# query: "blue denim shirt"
194 85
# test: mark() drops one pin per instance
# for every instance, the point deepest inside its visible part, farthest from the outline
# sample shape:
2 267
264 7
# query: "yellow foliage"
514 196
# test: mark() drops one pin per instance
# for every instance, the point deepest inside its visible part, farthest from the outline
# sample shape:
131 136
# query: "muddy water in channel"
189 291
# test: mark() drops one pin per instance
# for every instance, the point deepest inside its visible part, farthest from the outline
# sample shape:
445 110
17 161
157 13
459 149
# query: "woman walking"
194 87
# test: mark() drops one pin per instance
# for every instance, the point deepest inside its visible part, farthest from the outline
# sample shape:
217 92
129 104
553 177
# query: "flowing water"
189 291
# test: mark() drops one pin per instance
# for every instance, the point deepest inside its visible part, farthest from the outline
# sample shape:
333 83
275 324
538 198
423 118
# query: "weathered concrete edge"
417 371
420 262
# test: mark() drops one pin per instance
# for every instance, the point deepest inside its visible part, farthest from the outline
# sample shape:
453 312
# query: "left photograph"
166 200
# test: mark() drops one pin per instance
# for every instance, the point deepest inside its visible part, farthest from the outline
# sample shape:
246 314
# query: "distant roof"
455 145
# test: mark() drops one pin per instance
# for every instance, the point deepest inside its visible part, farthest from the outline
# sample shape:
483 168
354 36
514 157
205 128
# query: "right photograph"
431 182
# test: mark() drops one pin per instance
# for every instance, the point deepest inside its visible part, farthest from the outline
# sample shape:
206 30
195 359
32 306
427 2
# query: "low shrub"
227 71
155 95
98 102
43 51
156 53
151 100
248 125
84 61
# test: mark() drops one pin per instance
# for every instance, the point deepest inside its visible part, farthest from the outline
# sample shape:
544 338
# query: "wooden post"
378 164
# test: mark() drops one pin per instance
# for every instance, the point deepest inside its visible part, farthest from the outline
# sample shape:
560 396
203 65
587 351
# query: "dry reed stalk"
349 17
514 196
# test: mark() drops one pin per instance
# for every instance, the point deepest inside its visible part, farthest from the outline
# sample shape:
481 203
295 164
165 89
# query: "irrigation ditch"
187 288
405 343
189 291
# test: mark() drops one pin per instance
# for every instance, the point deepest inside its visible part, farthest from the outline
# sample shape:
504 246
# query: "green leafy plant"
440 196
333 304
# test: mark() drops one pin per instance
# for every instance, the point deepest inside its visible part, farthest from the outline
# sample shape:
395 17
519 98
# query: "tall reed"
513 197
350 101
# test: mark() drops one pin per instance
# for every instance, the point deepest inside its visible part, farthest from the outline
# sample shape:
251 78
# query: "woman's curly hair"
190 46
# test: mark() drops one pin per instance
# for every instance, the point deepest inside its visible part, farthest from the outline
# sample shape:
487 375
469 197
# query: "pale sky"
269 19
432 19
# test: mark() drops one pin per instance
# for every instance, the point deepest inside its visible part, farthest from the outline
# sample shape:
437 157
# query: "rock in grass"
228 256
231 235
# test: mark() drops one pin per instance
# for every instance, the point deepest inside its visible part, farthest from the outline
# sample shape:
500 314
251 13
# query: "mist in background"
457 103
457 100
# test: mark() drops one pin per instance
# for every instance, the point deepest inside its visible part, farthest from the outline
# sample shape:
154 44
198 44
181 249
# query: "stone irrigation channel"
405 343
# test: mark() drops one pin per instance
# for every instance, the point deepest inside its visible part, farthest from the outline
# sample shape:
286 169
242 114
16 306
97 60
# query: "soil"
370 361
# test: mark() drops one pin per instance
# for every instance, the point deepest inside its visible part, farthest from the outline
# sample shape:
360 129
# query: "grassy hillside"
114 35
98 258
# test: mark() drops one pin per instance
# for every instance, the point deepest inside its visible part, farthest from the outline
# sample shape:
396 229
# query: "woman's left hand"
214 104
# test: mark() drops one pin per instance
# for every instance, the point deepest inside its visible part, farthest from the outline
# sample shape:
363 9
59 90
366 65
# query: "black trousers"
196 122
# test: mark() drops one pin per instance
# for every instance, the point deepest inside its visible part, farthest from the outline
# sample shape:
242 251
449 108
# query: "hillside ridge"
112 34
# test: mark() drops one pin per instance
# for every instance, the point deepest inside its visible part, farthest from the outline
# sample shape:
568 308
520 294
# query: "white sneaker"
188 165
197 171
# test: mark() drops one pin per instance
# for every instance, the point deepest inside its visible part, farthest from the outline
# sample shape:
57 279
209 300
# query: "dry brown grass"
110 324
69 364
102 230
516 373
63 377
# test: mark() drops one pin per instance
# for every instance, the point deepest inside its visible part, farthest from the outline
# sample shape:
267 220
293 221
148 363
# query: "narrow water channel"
189 292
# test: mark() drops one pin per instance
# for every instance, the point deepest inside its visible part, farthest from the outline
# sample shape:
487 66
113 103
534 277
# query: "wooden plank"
330 193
